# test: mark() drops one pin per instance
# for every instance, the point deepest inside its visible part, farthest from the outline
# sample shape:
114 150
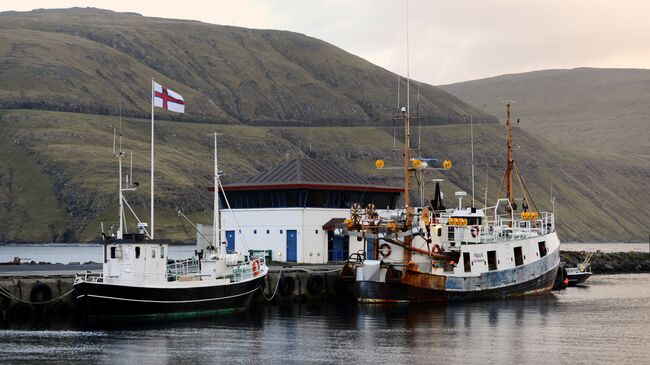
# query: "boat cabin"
133 261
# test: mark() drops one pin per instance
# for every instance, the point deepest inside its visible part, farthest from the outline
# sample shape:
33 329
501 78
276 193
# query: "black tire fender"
315 284
63 312
41 292
286 286
21 314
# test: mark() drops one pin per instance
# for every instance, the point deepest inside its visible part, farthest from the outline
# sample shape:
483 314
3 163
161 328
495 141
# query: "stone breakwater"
610 263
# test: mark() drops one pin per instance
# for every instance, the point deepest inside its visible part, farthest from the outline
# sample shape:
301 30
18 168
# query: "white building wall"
203 236
266 228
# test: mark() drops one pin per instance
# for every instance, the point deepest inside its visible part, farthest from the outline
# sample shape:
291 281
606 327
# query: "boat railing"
89 277
506 227
179 268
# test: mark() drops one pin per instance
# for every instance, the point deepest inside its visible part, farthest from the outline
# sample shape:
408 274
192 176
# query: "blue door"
230 238
339 249
370 250
292 245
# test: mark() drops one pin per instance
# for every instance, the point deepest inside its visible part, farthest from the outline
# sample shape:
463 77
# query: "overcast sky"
450 41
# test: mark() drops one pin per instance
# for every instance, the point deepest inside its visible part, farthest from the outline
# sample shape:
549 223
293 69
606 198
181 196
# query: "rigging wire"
233 214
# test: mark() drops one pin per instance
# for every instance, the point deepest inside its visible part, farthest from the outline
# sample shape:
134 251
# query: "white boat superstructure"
436 254
139 279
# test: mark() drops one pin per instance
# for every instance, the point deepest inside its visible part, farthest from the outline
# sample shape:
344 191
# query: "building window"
268 231
439 231
162 252
153 254
281 232
316 231
137 252
254 231
113 252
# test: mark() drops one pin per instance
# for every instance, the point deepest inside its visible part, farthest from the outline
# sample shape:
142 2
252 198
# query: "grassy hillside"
85 60
600 197
29 206
63 73
600 109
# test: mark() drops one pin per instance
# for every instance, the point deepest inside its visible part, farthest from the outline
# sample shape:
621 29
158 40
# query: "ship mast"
507 176
407 145
407 171
510 161
216 229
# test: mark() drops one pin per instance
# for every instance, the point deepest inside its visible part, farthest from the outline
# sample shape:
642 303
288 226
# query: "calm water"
604 322
66 253
606 247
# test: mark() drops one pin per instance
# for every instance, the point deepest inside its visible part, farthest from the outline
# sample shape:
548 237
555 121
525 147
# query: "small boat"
140 281
578 275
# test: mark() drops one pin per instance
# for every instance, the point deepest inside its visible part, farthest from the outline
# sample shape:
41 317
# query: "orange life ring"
475 231
384 250
437 249
256 267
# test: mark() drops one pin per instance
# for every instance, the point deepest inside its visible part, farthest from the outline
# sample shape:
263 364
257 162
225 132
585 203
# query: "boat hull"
577 278
378 292
108 302
533 279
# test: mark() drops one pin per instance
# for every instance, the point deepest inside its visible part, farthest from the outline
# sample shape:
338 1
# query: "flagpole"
152 155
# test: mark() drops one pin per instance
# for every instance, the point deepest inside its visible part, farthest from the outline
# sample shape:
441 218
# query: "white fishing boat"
139 280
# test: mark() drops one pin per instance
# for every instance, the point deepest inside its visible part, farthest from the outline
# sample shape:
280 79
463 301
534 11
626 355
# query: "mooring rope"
276 288
6 293
295 268
315 271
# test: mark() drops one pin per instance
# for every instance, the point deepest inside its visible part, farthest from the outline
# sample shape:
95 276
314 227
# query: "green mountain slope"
64 72
599 197
600 109
84 60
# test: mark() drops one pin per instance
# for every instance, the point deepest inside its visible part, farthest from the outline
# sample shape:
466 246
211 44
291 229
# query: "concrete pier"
41 296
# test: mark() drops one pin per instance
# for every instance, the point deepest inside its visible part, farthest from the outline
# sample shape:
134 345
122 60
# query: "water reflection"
604 322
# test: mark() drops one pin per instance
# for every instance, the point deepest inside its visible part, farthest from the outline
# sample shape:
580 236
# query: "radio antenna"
131 170
399 79
471 131
120 111
417 103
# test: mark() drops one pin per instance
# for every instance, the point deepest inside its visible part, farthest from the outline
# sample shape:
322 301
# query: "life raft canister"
256 267
384 250
475 231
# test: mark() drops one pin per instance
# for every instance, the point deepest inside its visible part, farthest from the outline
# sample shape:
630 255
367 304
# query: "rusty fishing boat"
432 253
